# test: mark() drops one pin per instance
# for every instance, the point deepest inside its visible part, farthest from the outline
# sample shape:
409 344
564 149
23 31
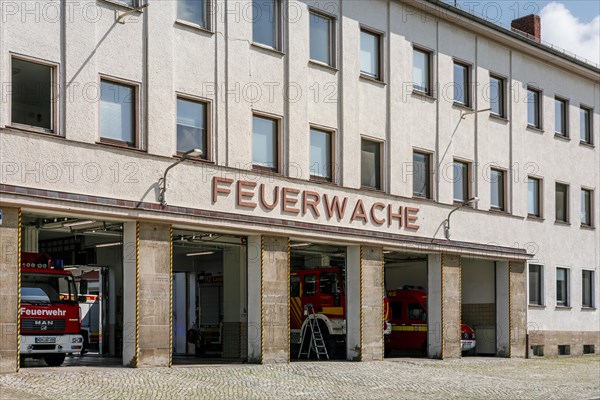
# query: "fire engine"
409 319
323 288
50 323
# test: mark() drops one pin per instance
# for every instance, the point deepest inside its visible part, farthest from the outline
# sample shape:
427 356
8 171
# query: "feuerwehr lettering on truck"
43 313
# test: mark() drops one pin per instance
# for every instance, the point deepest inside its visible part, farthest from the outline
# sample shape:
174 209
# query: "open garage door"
80 324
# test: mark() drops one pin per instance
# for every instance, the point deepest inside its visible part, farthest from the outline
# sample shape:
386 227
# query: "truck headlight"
77 340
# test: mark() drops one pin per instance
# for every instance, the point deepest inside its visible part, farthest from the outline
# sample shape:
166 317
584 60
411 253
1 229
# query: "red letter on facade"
359 212
312 200
392 216
243 195
374 218
216 189
335 205
411 216
288 203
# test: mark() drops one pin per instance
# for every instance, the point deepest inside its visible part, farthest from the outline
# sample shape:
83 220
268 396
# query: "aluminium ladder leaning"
317 344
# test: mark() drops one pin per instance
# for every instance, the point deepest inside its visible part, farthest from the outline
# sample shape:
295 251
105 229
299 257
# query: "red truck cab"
50 322
409 322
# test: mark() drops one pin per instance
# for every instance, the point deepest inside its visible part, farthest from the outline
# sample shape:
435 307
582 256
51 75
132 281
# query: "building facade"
428 147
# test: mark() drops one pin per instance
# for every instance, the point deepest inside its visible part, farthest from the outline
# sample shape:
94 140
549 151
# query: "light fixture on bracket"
200 253
300 244
112 244
120 17
463 114
469 202
162 182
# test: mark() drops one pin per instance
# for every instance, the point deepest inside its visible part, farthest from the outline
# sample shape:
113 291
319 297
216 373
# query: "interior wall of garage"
411 273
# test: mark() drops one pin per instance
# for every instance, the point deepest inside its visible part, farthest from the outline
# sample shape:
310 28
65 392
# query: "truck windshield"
47 289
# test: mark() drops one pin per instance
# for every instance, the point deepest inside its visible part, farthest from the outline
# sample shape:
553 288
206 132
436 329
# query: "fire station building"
205 169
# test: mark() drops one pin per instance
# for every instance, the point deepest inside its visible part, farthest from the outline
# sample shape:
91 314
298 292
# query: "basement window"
33 99
589 349
537 351
564 350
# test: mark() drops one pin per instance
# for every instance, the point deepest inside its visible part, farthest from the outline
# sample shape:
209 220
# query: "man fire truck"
324 289
50 323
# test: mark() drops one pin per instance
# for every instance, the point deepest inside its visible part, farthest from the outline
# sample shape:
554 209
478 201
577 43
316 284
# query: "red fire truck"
409 319
50 323
324 288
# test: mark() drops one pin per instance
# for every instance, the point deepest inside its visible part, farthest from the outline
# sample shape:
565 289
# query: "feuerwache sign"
311 204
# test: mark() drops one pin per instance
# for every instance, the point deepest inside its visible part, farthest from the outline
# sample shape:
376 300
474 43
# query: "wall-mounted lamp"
162 183
120 17
463 114
469 202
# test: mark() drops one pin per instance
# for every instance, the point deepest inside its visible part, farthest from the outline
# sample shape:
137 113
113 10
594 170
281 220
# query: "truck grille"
45 325
43 347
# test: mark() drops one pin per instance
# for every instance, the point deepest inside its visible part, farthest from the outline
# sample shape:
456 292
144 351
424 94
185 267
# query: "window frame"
469 180
381 144
565 116
567 301
208 122
592 288
590 119
567 205
538 107
380 55
502 92
279 124
332 36
540 199
429 53
54 86
208 12
332 158
278 28
504 198
429 155
541 302
137 144
469 84
590 210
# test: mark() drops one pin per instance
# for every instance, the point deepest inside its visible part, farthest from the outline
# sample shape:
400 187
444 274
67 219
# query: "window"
461 181
193 11
498 185
497 96
562 202
294 286
320 154
564 350
266 22
321 38
589 349
117 113
265 143
536 285
421 71
370 54
585 125
191 126
562 287
533 197
328 284
560 117
396 310
421 175
533 108
370 164
416 312
462 85
587 289
310 284
586 207
32 101
537 350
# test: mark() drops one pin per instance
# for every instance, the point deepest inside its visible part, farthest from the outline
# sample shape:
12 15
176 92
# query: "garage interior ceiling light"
78 223
108 244
300 244
200 253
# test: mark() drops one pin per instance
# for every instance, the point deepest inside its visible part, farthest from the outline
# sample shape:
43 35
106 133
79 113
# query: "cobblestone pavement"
563 378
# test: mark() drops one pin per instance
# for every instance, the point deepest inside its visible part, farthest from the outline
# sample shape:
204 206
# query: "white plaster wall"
478 281
189 61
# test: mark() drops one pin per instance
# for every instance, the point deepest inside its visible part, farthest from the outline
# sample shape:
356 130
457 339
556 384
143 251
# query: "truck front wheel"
54 360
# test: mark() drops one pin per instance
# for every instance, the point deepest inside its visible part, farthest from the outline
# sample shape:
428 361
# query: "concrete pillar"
518 309
434 306
443 304
154 295
9 274
234 307
502 310
353 304
268 299
129 294
372 304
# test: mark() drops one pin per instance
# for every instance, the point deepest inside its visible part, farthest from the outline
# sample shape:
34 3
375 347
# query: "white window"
266 23
587 289
536 284
322 38
117 113
370 54
422 71
562 287
265 143
193 11
371 164
320 154
33 98
191 126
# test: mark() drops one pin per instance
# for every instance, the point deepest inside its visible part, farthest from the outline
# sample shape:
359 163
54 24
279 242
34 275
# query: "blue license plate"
45 339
